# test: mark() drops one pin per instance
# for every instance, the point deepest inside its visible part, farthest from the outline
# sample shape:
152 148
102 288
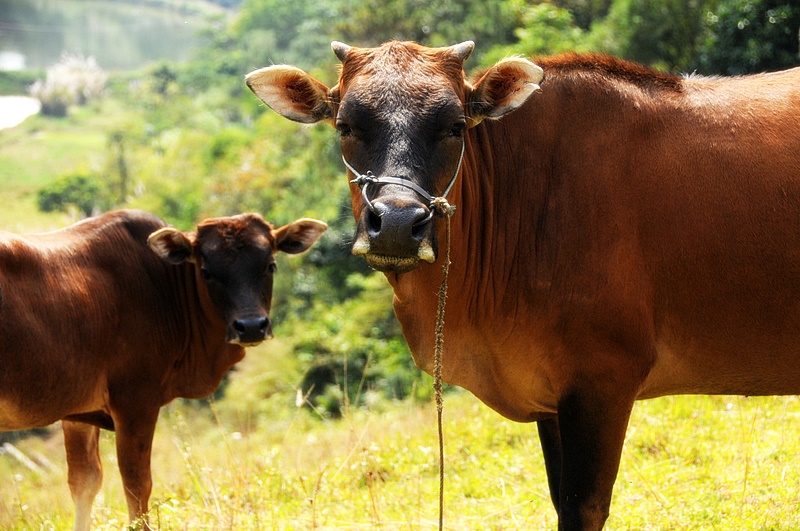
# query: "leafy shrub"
73 80
351 351
78 191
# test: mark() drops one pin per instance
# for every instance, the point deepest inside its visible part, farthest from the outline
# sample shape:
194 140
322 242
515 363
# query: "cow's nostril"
420 224
373 222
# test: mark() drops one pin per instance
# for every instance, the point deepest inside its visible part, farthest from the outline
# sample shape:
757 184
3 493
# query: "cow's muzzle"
396 235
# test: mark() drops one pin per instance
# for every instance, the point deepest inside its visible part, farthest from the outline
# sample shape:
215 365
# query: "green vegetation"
71 191
188 141
17 82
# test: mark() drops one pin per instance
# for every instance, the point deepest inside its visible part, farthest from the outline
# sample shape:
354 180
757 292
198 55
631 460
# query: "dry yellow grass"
689 463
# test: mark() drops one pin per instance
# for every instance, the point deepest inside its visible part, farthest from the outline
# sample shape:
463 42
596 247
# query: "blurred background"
141 104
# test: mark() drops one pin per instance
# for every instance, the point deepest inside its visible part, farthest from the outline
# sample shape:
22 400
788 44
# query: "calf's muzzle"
250 331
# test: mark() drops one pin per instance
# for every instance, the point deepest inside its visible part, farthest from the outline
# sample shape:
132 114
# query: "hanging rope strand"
444 210
441 208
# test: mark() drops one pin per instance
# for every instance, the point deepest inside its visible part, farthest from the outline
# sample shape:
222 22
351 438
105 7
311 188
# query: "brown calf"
100 331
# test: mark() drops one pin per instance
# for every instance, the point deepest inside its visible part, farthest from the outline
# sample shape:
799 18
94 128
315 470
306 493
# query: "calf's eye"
344 129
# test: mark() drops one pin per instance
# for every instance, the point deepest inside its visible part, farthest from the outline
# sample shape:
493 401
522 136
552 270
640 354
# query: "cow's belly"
758 367
31 397
16 416
25 415
519 395
517 375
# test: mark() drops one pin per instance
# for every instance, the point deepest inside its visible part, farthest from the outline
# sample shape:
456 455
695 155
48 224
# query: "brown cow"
100 331
622 234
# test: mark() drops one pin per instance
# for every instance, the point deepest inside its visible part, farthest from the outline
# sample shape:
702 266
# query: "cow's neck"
205 355
493 245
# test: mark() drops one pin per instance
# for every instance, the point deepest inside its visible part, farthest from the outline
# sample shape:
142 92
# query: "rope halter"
436 205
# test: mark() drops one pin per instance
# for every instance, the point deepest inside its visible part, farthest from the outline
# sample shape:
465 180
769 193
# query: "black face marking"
236 264
402 127
403 135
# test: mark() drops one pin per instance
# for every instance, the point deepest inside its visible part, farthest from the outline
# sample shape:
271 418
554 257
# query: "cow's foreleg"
550 439
592 428
134 443
84 468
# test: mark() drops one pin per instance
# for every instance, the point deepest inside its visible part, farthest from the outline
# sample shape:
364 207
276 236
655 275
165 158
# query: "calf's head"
234 258
402 111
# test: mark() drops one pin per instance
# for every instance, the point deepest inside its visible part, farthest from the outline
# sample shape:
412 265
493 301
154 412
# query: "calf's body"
100 331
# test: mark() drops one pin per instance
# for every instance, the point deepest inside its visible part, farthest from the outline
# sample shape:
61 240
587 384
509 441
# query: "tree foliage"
662 33
197 144
545 29
746 36
430 22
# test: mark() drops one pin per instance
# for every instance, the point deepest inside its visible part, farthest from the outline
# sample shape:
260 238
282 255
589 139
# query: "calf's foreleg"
84 468
134 444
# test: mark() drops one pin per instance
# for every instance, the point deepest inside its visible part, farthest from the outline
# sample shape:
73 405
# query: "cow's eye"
272 268
457 130
344 129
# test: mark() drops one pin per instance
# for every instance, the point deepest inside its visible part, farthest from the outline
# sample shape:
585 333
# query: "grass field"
690 463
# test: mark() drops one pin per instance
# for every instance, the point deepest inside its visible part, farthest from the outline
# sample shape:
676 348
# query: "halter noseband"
438 205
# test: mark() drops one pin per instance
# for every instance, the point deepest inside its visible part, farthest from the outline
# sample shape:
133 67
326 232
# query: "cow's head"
402 111
234 257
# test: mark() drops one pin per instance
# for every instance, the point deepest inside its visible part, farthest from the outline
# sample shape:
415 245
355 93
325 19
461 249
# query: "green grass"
689 463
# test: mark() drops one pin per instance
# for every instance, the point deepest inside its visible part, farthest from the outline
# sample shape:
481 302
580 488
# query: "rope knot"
442 208
361 180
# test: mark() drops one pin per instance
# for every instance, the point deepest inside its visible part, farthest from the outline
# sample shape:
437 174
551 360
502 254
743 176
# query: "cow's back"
71 301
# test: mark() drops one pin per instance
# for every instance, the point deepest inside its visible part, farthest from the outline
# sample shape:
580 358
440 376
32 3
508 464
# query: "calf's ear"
502 88
298 236
172 245
292 93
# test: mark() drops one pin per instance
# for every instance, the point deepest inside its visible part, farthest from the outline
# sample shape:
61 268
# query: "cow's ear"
298 236
502 88
172 245
292 93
